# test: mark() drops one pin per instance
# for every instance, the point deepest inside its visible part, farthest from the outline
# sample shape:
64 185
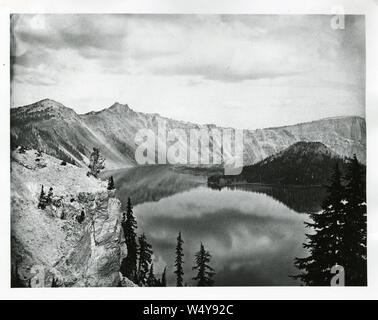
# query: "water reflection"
253 231
303 199
252 237
152 183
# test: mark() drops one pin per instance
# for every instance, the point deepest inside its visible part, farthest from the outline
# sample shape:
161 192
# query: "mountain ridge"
312 121
128 108
59 130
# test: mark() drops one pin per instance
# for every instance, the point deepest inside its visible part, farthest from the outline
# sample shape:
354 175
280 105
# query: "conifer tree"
151 280
42 200
205 272
129 225
339 232
158 282
111 183
55 283
324 244
355 230
16 281
96 163
179 262
164 278
145 259
49 196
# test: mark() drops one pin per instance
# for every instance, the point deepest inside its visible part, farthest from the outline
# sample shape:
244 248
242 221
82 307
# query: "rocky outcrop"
77 240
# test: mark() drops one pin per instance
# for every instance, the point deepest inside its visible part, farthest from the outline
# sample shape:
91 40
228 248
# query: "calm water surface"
253 232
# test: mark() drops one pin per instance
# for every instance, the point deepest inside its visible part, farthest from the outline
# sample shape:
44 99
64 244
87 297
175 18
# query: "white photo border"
369 8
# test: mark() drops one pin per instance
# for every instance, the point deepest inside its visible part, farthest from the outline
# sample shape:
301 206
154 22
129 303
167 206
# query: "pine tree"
355 230
164 278
16 281
205 273
111 183
151 280
325 243
158 282
49 196
96 163
55 283
179 262
145 258
129 225
42 200
340 232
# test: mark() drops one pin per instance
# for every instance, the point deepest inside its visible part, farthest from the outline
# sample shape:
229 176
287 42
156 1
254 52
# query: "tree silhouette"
145 259
179 262
324 244
355 230
151 280
55 283
164 278
96 163
49 196
42 200
339 232
16 281
129 264
205 272
111 183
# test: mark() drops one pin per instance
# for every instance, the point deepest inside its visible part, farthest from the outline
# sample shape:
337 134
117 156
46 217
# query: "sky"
242 71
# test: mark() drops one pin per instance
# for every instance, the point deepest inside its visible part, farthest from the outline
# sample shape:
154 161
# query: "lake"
253 232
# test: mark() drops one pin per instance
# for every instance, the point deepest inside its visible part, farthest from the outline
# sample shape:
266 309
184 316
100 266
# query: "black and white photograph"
188 150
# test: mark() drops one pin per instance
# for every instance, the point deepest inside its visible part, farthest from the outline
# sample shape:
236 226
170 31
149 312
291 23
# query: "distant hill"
303 163
61 132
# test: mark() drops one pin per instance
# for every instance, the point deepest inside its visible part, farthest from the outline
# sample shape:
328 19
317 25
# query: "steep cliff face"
75 241
344 135
61 132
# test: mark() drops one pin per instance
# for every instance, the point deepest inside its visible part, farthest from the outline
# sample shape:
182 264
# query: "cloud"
222 73
222 51
36 79
224 48
72 31
32 58
183 65
213 47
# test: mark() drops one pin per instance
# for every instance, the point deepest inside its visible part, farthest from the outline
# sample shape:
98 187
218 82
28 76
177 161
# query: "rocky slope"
52 244
49 126
59 131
